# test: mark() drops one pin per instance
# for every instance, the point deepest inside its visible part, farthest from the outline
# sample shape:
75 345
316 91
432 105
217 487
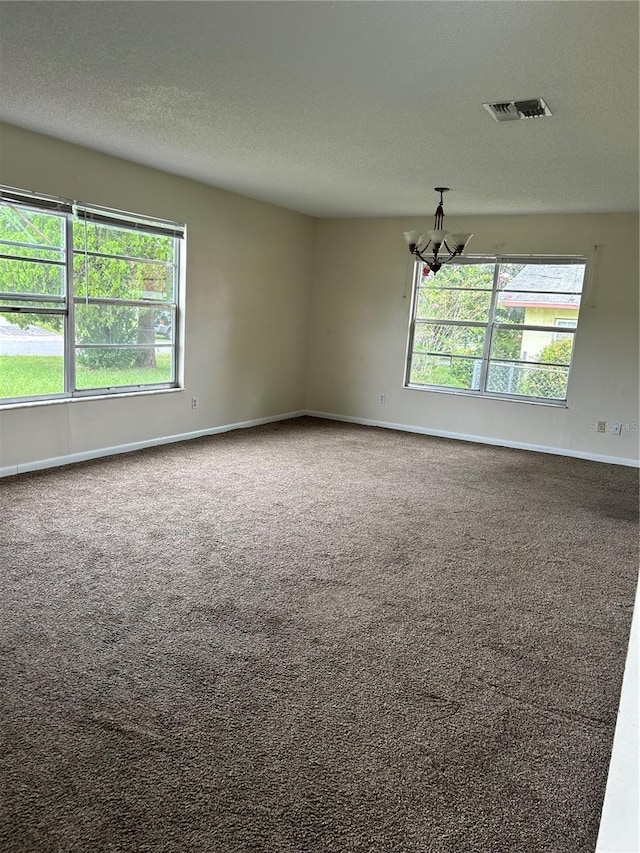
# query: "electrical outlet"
194 402
602 426
382 398
615 429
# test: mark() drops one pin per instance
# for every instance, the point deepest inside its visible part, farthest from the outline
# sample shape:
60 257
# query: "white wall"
259 345
360 313
247 304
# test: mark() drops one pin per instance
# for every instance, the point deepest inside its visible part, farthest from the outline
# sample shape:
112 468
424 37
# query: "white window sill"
503 398
89 398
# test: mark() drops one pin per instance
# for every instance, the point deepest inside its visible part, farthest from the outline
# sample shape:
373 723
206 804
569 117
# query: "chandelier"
440 242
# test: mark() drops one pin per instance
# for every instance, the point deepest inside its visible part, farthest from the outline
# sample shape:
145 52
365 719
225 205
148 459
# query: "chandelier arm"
453 252
419 254
435 255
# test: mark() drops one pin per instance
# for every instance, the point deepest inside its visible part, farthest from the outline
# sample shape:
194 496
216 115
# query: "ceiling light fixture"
454 244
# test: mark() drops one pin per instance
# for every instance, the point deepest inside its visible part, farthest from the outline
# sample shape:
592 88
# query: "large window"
491 326
88 300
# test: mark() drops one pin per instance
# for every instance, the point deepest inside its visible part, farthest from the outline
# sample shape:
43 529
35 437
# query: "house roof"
545 285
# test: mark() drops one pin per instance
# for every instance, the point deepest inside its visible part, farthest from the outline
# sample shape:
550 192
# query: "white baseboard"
70 458
479 439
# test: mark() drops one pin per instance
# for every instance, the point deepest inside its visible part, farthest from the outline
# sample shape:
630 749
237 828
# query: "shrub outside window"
88 299
491 327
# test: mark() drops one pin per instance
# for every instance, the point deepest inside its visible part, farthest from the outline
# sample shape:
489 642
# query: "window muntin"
490 327
86 307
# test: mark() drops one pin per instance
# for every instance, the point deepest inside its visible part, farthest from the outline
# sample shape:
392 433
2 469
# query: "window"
88 300
564 323
491 327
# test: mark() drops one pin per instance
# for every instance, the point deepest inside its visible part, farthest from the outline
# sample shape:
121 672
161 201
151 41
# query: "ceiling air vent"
516 110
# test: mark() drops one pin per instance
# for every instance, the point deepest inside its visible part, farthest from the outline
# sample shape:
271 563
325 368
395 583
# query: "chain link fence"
528 380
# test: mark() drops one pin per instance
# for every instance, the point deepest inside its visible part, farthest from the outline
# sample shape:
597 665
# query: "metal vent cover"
516 110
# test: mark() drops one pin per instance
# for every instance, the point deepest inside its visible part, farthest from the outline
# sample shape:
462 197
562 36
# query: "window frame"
78 215
491 325
561 329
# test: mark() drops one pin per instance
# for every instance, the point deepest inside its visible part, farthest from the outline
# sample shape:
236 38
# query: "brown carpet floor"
312 637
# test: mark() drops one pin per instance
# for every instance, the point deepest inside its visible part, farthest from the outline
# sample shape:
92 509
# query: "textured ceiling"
342 108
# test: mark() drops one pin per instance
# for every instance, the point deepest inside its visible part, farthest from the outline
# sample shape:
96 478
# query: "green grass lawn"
34 375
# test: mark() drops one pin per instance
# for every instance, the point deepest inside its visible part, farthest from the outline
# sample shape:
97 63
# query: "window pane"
19 225
164 326
448 372
444 304
31 277
111 367
536 294
542 278
507 343
122 324
31 355
121 241
451 340
535 309
508 311
529 345
460 275
113 278
527 380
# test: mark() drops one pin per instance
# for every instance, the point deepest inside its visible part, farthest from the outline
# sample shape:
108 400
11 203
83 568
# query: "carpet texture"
312 637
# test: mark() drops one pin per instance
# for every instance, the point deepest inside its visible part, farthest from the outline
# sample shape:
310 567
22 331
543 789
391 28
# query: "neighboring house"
551 297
